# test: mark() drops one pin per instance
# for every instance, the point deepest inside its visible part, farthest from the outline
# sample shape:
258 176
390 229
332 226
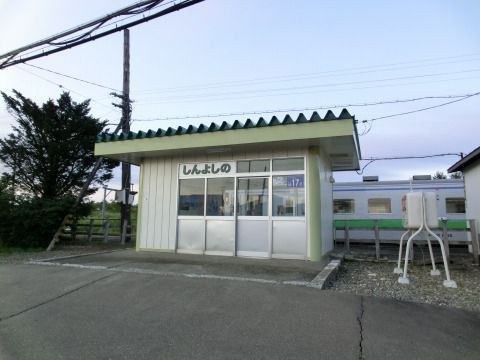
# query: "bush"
29 223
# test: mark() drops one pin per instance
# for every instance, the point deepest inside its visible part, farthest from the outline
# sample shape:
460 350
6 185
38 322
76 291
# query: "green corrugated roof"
224 126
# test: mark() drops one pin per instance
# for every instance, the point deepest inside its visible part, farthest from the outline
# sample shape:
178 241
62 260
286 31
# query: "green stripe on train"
367 224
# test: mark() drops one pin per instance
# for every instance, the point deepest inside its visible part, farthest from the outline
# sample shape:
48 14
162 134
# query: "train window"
455 205
343 206
379 206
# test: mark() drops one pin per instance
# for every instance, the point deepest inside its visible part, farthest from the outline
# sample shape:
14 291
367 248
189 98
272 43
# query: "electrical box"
120 197
413 210
431 209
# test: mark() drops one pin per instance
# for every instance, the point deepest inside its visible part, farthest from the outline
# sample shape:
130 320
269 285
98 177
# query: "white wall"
158 215
472 191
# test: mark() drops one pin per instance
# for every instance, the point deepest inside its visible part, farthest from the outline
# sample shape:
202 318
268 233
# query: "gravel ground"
21 257
377 279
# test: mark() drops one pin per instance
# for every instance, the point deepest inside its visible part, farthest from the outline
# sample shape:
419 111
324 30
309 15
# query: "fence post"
334 232
347 238
123 236
377 240
90 230
445 239
474 237
106 227
74 228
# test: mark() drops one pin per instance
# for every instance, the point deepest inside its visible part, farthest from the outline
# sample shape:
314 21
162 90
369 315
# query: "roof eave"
461 164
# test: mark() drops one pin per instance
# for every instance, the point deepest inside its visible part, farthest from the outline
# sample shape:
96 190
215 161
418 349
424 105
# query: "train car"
363 204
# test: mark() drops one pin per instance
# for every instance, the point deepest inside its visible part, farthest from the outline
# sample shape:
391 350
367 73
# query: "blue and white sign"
295 181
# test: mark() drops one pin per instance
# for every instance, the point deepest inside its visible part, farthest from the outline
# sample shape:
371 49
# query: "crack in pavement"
54 298
360 324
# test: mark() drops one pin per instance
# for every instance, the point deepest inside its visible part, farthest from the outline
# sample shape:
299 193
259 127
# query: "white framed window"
380 206
253 166
220 196
343 206
191 197
252 196
455 205
288 164
288 195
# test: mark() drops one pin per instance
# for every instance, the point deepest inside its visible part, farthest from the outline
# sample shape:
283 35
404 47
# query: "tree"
456 175
439 175
49 154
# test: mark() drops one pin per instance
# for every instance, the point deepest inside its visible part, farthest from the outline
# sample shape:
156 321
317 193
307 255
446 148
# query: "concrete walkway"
85 308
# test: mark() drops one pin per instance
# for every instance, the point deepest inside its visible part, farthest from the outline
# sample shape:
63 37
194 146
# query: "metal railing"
377 225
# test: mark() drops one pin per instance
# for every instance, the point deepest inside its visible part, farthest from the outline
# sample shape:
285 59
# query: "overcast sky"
240 56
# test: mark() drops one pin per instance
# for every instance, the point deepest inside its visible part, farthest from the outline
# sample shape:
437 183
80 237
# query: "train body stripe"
404 188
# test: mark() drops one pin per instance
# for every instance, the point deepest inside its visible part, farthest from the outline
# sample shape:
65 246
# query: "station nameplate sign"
207 169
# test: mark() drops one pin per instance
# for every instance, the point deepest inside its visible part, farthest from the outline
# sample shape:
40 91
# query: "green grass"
7 250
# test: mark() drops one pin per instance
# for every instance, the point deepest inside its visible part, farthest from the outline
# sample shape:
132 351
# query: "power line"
411 157
373 159
422 109
311 108
72 77
62 41
302 76
311 92
62 86
329 85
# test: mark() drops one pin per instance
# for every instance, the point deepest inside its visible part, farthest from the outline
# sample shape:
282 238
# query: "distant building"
470 167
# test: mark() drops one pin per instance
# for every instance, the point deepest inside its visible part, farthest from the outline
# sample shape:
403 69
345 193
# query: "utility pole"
126 111
125 218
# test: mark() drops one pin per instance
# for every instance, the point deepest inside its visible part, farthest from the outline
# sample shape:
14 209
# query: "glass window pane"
288 195
343 206
455 205
288 164
253 166
379 206
191 198
220 196
252 197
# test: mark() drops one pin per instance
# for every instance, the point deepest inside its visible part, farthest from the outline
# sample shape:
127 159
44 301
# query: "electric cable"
373 159
290 78
316 86
14 57
62 87
308 92
309 108
72 77
422 109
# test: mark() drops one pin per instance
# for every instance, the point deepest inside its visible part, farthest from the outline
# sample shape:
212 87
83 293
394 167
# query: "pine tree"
49 153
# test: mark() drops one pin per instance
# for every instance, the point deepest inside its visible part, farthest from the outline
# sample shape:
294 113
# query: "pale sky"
224 56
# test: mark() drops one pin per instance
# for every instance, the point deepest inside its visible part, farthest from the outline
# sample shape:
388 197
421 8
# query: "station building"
255 189
469 165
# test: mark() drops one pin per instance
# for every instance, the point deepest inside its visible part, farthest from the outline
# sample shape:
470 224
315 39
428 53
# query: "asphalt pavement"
119 307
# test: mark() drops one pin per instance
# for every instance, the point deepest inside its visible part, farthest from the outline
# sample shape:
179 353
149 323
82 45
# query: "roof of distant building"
467 160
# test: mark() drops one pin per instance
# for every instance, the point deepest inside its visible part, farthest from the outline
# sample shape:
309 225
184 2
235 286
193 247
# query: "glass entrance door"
253 218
